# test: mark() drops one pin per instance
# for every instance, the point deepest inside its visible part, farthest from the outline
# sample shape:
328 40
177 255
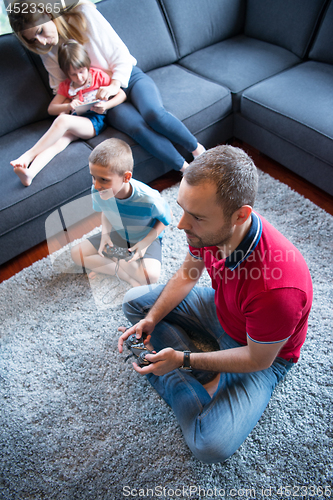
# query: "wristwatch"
186 361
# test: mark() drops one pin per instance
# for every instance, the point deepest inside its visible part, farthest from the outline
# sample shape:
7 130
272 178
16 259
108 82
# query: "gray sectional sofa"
257 70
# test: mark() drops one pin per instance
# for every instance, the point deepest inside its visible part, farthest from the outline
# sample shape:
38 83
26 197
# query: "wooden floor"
316 195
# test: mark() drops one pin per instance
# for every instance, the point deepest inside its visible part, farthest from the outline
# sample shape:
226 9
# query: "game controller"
117 252
138 349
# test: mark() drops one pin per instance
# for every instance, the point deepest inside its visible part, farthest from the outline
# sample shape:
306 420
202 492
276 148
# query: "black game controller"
138 349
117 252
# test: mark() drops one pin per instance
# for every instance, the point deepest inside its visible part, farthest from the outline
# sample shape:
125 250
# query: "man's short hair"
113 154
233 172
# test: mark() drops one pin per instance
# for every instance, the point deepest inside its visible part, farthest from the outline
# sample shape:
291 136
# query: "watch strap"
186 361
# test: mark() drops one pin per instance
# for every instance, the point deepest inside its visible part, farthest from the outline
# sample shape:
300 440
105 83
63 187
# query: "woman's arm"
111 90
111 103
105 48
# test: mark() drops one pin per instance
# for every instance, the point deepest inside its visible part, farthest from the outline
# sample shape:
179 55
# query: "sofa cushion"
289 24
294 105
142 27
197 102
322 47
24 97
196 23
239 62
57 183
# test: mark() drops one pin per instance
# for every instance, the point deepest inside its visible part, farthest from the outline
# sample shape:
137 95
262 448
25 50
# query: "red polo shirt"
263 290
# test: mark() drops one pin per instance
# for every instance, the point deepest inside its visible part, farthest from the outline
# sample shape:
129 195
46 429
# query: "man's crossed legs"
213 427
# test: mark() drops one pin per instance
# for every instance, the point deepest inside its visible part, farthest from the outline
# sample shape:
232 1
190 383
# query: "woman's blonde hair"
24 18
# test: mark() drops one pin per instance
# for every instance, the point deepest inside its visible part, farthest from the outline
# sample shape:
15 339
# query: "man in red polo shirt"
257 309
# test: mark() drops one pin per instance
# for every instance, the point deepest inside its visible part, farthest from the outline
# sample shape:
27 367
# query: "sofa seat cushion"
196 101
296 106
64 178
239 62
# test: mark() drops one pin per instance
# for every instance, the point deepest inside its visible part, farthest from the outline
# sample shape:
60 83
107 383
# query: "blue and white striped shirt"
134 217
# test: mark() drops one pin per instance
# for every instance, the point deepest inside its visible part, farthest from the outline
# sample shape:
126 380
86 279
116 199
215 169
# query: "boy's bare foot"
24 175
212 386
200 149
92 275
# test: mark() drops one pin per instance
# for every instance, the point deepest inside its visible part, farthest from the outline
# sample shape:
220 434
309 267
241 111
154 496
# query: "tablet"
79 110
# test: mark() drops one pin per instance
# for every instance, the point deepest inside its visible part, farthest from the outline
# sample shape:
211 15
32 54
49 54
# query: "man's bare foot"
212 386
24 175
200 149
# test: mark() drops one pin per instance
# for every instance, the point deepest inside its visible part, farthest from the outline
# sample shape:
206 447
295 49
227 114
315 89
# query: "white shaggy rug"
79 423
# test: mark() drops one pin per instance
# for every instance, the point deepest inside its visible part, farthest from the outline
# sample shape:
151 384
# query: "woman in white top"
143 116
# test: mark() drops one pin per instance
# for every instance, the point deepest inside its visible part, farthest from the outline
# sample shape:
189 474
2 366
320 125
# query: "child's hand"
105 240
74 104
139 250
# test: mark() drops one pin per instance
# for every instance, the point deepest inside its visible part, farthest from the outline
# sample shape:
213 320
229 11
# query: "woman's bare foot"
200 149
212 386
24 174
184 167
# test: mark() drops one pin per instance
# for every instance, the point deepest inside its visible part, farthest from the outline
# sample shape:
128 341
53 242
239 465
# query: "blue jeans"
144 118
213 428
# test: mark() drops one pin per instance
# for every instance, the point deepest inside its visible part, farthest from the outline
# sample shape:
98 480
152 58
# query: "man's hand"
144 326
163 362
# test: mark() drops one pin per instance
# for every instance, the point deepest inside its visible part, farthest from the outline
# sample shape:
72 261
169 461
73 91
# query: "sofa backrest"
322 49
195 24
288 23
143 28
24 96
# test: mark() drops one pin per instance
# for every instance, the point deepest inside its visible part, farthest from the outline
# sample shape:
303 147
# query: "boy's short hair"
71 53
232 171
114 154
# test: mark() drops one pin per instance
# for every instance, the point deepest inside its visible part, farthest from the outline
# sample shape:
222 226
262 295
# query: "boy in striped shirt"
133 215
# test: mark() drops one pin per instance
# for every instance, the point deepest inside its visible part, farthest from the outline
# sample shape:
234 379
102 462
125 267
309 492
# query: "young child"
133 216
82 86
